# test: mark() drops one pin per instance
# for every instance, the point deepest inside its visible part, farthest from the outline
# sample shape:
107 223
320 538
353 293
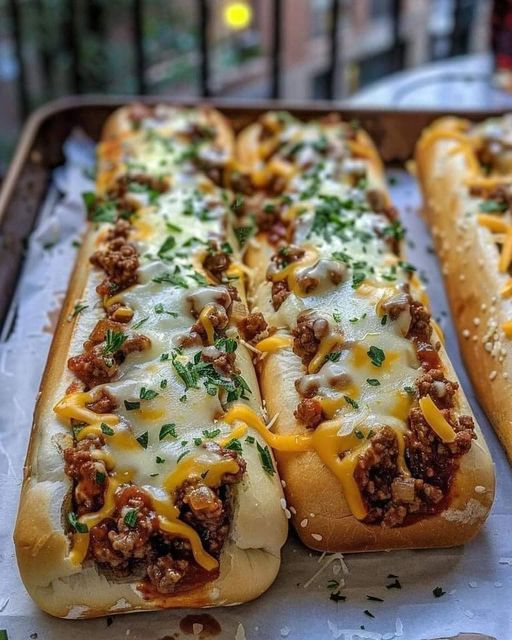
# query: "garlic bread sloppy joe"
140 492
388 452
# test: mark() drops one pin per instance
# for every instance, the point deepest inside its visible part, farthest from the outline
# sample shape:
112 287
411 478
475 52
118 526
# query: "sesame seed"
488 346
462 277
282 502
293 510
316 536
466 333
493 375
483 306
287 514
283 483
505 375
476 322
480 489
474 338
304 523
480 262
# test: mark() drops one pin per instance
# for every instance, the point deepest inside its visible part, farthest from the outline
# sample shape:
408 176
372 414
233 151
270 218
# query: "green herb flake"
250 440
209 435
143 440
438 592
374 598
77 309
334 356
167 245
147 394
167 430
357 279
106 429
351 402
140 323
359 434
234 445
368 613
131 405
100 477
78 526
384 319
114 340
493 206
243 234
160 460
266 459
373 382
182 455
376 355
130 518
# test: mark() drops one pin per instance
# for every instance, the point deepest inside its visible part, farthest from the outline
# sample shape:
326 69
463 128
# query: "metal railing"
137 13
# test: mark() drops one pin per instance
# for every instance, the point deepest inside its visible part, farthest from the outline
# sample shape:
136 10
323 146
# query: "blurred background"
386 52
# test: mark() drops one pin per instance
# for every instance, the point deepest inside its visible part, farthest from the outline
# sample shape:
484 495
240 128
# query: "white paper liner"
477 579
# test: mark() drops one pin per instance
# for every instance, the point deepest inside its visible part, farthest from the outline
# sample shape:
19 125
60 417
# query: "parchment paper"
477 579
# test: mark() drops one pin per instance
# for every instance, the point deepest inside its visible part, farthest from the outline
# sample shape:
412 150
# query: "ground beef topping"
223 363
309 412
219 319
217 261
120 261
308 334
252 326
131 542
104 351
89 474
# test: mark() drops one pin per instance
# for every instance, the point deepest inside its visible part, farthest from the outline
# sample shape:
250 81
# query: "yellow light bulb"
237 15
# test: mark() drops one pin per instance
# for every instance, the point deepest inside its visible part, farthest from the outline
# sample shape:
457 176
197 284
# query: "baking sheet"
476 579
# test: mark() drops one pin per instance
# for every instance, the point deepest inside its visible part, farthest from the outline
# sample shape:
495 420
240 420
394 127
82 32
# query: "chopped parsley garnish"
199 278
164 356
358 278
407 266
374 598
237 202
438 592
173 227
209 435
336 316
140 323
100 477
226 344
266 459
235 445
168 245
351 402
160 460
147 394
182 455
250 440
79 527
163 383
159 308
493 206
226 248
130 518
384 319
243 234
114 340
198 442
359 434
394 230
143 440
334 356
167 430
78 308
373 382
368 613
197 370
376 355
106 429
172 278
409 390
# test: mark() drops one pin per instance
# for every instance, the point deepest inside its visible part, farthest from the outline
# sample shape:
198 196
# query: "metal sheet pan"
477 579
